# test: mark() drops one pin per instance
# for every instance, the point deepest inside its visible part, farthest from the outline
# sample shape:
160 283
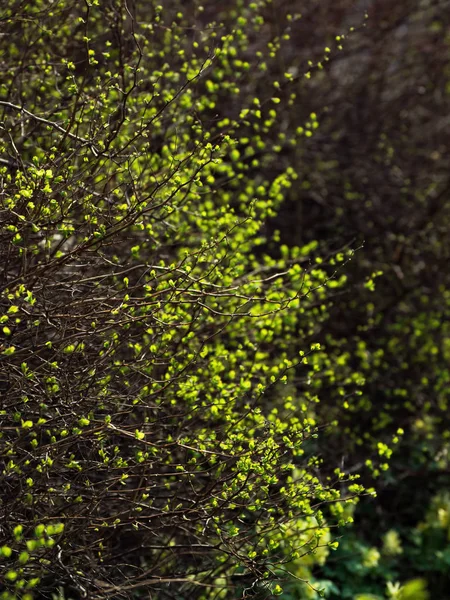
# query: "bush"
158 419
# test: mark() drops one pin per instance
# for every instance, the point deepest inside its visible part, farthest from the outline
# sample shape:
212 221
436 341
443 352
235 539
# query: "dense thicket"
223 297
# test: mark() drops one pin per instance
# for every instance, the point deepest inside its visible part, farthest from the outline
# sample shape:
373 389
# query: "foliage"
358 566
158 419
195 363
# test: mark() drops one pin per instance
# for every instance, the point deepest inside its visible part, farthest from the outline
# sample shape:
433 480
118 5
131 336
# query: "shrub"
158 418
